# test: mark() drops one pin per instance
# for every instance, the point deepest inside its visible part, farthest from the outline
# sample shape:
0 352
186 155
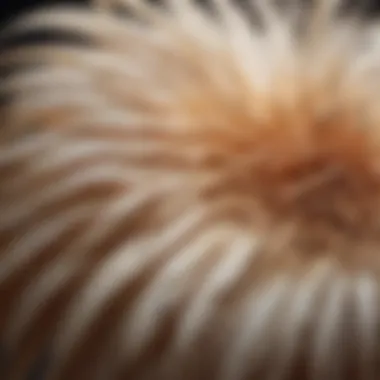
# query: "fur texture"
191 195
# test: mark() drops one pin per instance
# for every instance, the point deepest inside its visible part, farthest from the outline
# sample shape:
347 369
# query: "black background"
10 9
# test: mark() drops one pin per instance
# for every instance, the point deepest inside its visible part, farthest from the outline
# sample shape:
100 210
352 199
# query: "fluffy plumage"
187 195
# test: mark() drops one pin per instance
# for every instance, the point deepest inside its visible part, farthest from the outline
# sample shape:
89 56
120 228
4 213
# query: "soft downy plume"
190 194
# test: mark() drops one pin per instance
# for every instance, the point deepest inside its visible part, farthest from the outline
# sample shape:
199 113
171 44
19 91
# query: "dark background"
10 9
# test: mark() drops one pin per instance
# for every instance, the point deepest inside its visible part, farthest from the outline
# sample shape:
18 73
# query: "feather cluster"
187 194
